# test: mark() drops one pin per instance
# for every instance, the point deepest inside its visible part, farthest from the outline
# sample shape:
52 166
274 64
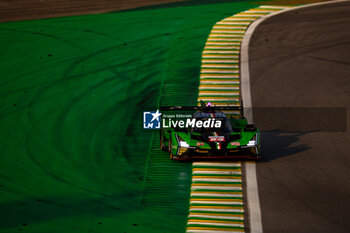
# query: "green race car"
203 137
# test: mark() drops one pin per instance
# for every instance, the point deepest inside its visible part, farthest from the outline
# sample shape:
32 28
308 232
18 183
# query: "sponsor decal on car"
200 143
235 144
216 138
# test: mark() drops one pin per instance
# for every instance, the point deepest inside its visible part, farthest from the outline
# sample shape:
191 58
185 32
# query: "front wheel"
170 149
255 153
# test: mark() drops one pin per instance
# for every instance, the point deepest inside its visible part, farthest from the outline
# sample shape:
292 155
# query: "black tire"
254 153
170 150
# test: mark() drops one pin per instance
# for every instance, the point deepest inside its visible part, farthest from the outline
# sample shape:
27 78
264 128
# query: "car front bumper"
194 153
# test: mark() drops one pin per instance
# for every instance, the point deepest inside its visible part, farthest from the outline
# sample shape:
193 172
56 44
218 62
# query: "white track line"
250 167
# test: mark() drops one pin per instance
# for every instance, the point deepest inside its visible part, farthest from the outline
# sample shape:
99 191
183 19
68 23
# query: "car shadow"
276 144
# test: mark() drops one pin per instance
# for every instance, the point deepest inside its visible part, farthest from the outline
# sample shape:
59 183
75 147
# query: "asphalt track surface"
300 59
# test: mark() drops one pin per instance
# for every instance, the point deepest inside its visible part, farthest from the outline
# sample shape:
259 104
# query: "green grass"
72 93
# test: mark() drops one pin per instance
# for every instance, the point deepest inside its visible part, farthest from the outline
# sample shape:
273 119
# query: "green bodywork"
74 155
241 135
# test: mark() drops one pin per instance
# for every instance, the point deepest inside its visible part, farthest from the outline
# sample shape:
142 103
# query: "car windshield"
226 126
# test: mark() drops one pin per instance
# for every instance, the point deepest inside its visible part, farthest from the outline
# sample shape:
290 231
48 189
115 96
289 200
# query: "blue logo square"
151 120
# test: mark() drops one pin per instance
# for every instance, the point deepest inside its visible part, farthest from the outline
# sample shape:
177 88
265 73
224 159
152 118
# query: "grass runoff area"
72 93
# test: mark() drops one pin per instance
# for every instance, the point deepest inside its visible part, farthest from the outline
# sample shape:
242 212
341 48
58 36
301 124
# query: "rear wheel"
170 149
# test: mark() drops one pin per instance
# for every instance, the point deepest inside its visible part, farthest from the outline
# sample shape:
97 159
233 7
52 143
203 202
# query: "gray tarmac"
300 83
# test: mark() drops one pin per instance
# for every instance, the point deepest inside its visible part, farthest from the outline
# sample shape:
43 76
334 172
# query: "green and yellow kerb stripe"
220 73
216 203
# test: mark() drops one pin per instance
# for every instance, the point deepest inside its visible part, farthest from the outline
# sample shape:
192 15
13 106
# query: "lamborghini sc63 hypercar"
235 138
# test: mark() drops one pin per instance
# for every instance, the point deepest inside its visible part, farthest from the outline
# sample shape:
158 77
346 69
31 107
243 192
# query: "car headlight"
252 142
183 143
